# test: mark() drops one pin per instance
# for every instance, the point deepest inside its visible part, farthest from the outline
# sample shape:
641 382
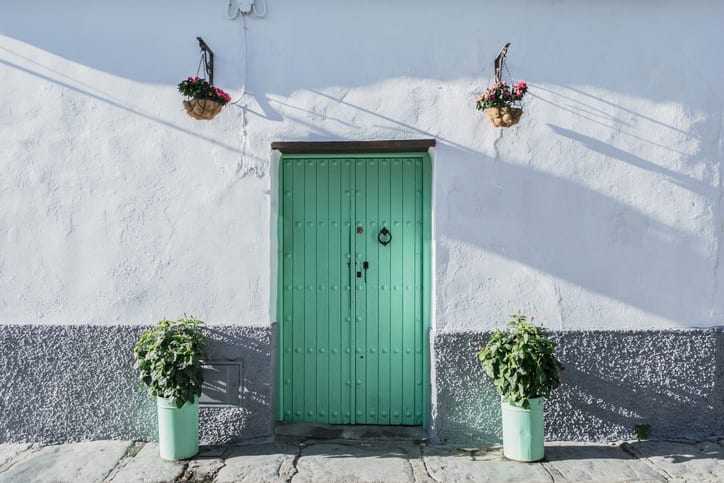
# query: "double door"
354 245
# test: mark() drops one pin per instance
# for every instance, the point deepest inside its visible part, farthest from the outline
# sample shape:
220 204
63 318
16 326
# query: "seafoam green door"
354 289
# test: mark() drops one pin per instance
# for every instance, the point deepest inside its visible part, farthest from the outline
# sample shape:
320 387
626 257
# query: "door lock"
365 266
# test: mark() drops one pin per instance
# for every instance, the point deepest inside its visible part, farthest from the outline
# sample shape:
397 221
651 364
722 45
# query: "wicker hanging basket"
202 109
503 116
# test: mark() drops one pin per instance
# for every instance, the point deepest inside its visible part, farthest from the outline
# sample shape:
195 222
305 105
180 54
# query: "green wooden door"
354 271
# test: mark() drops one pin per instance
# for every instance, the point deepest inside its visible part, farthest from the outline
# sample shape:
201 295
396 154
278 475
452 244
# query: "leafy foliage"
196 88
501 95
521 361
169 359
642 431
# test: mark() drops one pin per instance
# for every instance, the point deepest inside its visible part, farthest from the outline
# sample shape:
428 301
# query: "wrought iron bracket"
207 56
499 61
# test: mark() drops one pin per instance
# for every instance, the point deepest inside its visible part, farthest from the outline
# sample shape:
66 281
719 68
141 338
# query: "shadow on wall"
562 228
670 380
250 344
109 99
614 381
319 44
254 417
468 408
77 383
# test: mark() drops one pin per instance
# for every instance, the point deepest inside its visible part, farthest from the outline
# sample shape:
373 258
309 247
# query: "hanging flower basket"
504 116
204 101
202 109
501 103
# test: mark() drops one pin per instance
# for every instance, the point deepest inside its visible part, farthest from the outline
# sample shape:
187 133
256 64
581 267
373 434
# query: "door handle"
384 236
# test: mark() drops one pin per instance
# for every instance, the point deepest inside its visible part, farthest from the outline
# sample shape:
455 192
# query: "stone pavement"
315 460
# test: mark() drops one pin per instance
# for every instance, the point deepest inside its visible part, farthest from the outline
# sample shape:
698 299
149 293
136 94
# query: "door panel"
352 308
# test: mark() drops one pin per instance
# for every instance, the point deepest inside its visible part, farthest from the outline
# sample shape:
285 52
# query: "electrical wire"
244 61
256 11
233 6
243 166
230 7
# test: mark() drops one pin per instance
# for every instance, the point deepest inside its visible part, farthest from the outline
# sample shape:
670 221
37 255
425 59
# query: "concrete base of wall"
672 381
75 383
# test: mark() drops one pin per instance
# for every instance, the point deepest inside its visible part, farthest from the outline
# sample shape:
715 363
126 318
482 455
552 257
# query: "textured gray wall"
73 383
671 380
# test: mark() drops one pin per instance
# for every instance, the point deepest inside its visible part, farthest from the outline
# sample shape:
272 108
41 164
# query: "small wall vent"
222 384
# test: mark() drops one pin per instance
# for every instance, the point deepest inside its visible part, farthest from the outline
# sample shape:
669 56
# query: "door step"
356 432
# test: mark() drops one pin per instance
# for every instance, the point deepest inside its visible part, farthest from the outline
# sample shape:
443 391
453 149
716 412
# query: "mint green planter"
523 437
178 429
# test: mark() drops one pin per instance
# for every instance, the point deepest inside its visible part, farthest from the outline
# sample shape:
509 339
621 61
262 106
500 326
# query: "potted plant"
168 358
522 363
501 103
204 101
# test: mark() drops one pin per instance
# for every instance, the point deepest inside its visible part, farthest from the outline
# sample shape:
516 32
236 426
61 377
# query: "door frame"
354 150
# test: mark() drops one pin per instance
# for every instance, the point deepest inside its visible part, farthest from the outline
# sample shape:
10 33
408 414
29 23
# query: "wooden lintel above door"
354 147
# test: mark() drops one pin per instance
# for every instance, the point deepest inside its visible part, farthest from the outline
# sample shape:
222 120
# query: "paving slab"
480 464
87 462
353 461
259 463
695 462
596 462
9 452
148 467
205 465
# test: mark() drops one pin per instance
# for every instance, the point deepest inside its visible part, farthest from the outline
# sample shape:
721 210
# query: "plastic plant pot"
523 434
178 429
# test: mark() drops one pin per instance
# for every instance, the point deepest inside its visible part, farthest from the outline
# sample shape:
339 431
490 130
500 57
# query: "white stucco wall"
601 209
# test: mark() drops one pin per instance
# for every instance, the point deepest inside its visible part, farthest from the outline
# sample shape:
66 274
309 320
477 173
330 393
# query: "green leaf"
521 361
168 359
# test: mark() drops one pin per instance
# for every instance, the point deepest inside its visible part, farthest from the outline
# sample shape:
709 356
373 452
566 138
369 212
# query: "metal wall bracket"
207 58
499 61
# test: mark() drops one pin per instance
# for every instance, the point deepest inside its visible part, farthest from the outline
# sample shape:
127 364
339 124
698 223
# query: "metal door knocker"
384 236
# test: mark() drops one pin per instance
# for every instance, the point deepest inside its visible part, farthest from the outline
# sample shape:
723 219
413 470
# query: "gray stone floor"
296 460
